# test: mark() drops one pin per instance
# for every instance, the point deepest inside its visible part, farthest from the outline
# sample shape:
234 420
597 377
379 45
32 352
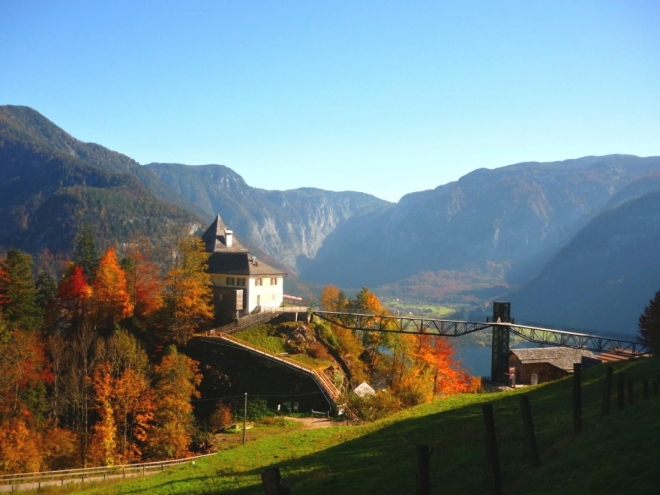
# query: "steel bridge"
502 326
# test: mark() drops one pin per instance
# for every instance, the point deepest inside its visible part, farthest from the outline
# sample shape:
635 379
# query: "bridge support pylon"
499 364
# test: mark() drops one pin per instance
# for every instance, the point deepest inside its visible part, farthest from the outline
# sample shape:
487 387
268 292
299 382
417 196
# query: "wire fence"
37 480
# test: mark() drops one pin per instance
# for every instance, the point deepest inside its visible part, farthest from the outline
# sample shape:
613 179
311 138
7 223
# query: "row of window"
257 281
236 281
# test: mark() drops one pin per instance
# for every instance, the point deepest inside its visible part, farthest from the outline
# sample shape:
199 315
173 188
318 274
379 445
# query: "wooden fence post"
631 392
607 390
620 392
646 390
423 469
655 387
270 481
577 397
528 427
491 450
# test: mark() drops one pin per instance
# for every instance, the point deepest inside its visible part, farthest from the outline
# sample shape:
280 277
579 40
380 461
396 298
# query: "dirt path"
309 423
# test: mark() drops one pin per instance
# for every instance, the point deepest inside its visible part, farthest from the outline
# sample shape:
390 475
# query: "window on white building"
258 281
240 282
273 281
230 280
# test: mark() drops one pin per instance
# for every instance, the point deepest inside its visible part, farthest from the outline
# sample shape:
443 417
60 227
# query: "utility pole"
244 417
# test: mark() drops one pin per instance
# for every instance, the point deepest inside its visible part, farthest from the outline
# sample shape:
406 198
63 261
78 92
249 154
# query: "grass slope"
613 454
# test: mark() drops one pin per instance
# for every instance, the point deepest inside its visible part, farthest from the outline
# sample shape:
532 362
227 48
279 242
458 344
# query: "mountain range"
566 241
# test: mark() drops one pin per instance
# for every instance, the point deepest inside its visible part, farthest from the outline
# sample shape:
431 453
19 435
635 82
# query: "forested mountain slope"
51 184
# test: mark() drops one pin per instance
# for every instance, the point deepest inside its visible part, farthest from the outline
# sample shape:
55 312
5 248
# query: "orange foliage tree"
110 300
143 280
103 441
333 299
24 373
72 301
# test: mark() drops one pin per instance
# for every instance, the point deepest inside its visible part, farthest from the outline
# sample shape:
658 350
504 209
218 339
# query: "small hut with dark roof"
548 363
241 284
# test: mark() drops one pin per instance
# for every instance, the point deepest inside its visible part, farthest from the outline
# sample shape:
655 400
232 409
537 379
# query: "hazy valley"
564 241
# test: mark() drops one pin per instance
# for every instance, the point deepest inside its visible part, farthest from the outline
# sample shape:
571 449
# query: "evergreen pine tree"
46 289
649 324
17 291
85 253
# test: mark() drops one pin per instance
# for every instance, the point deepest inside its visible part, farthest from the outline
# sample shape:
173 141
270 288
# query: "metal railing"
451 328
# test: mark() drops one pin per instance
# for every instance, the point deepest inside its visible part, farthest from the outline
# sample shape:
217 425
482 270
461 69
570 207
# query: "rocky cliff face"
288 225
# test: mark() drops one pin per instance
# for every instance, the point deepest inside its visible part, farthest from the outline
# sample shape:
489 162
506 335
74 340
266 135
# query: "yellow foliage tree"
110 299
177 378
103 442
187 293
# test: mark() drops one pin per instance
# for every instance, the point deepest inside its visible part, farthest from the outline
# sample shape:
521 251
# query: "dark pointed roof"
232 263
215 239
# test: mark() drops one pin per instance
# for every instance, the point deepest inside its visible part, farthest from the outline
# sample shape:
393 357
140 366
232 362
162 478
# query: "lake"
476 360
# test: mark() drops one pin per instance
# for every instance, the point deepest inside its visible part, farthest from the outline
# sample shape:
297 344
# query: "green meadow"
613 454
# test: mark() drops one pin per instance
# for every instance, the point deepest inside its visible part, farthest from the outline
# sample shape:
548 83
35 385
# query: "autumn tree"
103 439
75 356
187 293
221 417
110 300
176 381
132 401
72 301
143 280
333 299
648 325
367 302
24 375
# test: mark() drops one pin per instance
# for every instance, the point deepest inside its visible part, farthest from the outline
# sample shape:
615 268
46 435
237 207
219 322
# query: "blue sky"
380 97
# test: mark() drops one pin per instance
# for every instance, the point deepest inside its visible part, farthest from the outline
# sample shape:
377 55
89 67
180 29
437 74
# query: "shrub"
373 407
221 417
318 351
257 409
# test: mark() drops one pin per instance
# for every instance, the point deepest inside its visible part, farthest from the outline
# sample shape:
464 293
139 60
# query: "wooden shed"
548 363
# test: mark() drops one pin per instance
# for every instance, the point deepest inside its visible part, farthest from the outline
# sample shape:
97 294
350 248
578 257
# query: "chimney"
228 238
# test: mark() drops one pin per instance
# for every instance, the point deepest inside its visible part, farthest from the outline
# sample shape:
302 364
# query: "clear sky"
383 97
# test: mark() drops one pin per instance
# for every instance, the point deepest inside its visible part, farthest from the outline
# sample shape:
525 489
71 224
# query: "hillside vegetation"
613 455
51 185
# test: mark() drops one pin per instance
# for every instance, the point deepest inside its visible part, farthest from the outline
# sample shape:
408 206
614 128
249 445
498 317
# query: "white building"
241 283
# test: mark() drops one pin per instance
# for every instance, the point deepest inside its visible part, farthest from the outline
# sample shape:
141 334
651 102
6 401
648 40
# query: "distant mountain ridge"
286 224
517 217
51 183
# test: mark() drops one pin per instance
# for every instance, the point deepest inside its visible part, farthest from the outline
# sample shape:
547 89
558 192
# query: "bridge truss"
501 332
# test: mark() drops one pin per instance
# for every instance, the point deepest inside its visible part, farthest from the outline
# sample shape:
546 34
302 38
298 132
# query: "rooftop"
561 357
